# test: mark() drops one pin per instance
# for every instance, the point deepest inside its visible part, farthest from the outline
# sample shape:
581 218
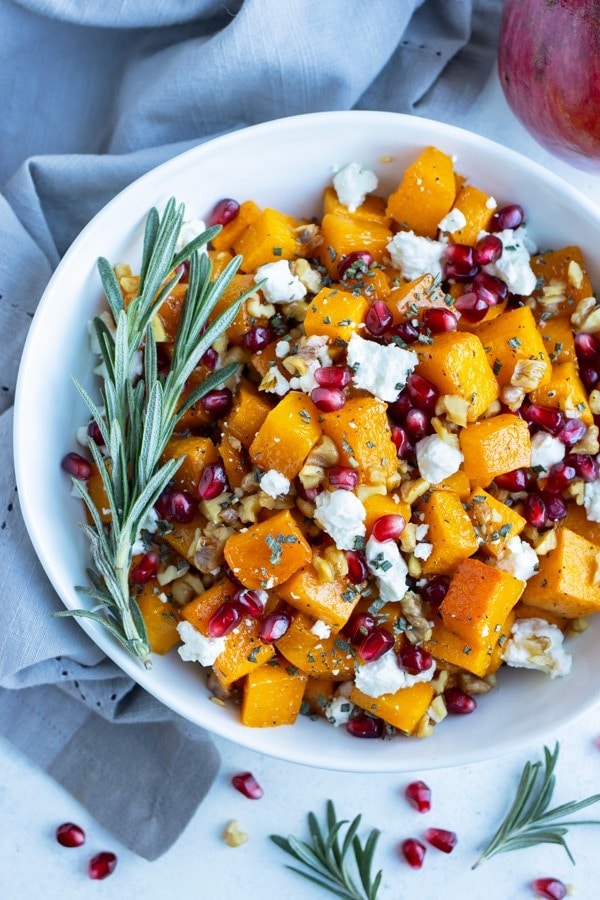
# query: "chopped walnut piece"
589 443
310 278
454 407
410 491
587 315
232 835
513 397
438 709
528 373
575 274
257 308
553 293
424 727
473 685
545 542
325 453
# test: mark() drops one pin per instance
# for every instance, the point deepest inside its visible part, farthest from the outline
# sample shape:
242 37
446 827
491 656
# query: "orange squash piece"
199 611
372 209
197 453
335 313
566 391
404 709
234 460
558 338
450 531
448 647
160 618
474 205
563 271
495 523
363 437
317 694
425 194
343 233
272 235
377 505
410 299
287 435
248 413
495 446
566 581
576 520
330 657
244 652
269 552
510 338
272 695
232 231
331 601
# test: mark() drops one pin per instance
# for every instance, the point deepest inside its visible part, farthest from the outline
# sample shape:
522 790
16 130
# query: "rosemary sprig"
529 821
326 859
139 412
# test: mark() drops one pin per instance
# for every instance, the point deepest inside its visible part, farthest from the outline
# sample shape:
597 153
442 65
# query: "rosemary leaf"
529 822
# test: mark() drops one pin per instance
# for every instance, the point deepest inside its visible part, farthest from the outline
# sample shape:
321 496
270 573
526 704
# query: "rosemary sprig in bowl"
138 415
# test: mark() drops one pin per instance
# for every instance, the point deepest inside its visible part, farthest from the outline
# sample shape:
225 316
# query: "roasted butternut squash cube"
377 505
166 319
197 453
478 601
269 552
232 231
450 531
287 435
320 657
272 235
160 616
562 279
410 299
335 313
317 694
272 695
566 391
343 233
240 284
248 413
576 520
459 483
495 523
95 488
199 611
372 209
404 709
522 611
496 659
558 338
183 537
512 339
235 462
456 363
566 582
478 209
446 646
244 652
363 437
425 193
330 601
495 446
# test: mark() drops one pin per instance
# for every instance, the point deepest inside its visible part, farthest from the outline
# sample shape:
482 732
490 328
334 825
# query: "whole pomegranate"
549 67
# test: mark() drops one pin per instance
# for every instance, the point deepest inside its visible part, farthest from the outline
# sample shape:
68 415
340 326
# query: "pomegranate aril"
459 703
441 839
402 442
389 527
418 795
438 320
422 392
328 399
209 359
213 482
182 507
401 407
534 511
413 852
378 318
460 257
274 626
224 211
251 602
489 288
94 432
257 338
365 727
414 659
546 417
403 333
355 264
308 493
587 346
359 627
225 619
435 590
472 306
511 216
572 432
488 249
556 508
146 568
218 402
549 888
333 376
377 642
590 374
102 865
70 835
357 566
342 477
559 478
586 466
417 423
517 480
247 785
76 466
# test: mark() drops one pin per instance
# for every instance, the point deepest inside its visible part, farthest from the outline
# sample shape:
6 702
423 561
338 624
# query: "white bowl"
285 164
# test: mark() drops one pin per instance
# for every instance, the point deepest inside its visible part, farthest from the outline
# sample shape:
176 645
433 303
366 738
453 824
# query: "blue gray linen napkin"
94 95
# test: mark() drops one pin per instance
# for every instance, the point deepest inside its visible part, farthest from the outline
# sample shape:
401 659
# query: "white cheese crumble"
342 515
385 676
591 500
339 709
415 255
281 285
513 267
190 229
546 451
518 559
352 183
149 523
423 550
321 629
453 221
535 644
315 353
198 648
437 459
282 349
274 483
381 369
491 203
388 567
277 382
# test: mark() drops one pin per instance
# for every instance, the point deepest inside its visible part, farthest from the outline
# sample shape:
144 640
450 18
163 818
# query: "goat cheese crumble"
281 285
546 451
415 255
274 483
453 221
381 369
352 183
535 644
197 647
514 267
437 459
518 559
591 500
388 567
386 676
342 515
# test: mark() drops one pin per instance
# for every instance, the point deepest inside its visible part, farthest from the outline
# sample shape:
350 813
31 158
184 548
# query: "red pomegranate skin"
549 67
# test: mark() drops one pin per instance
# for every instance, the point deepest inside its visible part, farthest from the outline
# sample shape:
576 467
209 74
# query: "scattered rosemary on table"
139 414
326 859
529 821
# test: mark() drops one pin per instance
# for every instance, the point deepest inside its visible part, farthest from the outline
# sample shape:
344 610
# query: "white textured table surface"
469 800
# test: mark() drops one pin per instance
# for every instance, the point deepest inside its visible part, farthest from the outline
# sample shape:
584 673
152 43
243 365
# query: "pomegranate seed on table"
225 619
333 376
417 423
378 318
76 466
549 888
572 432
534 511
489 288
274 626
251 602
402 442
247 785
435 589
146 568
459 703
413 852
549 418
422 392
364 726
414 659
511 216
354 264
328 399
586 466
213 482
377 642
514 481
587 346
102 865
224 211
441 839
418 795
488 249
359 626
257 338
472 306
439 320
70 835
389 527
357 566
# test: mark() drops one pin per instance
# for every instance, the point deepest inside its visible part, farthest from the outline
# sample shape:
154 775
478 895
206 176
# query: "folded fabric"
97 94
